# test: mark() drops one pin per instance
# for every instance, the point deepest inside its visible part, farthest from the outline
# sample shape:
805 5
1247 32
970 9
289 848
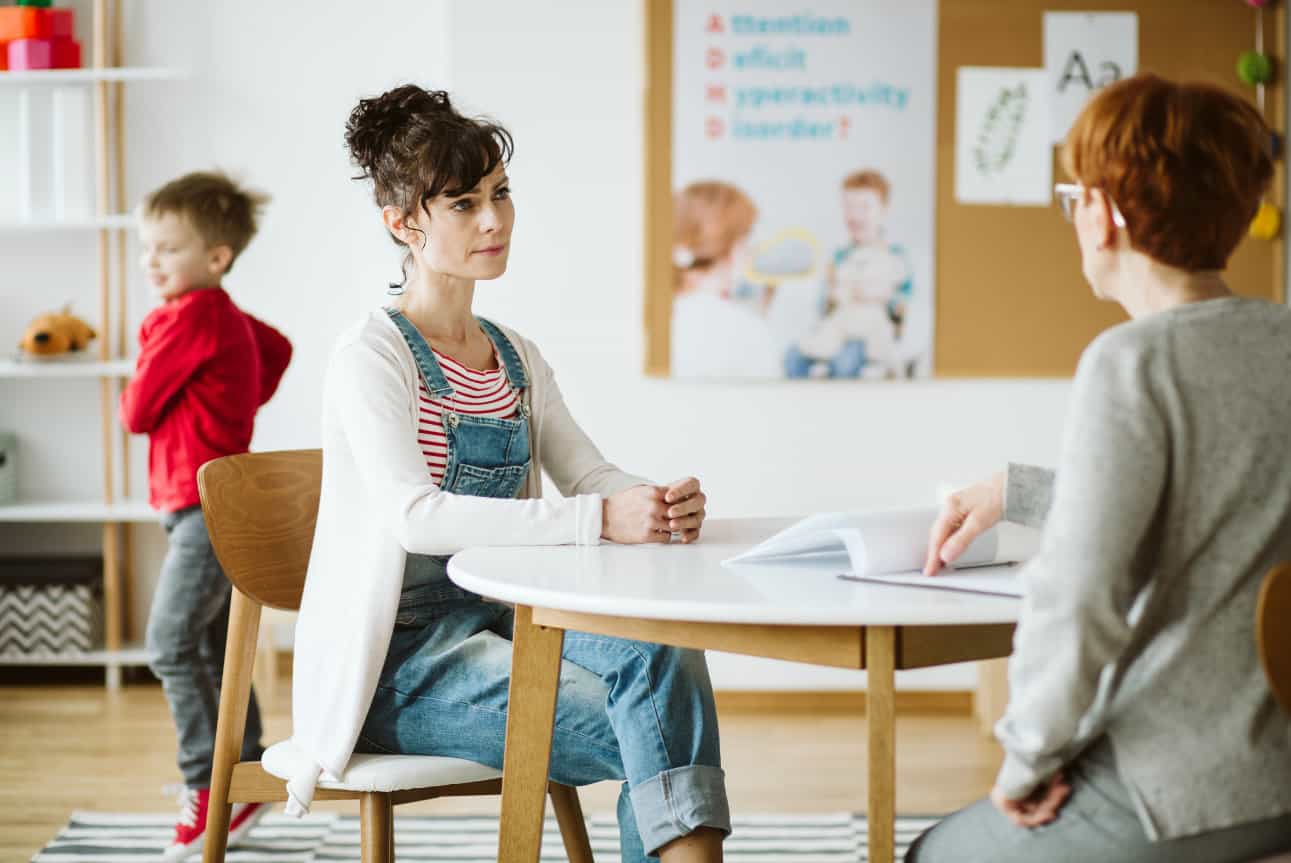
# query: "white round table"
684 595
689 582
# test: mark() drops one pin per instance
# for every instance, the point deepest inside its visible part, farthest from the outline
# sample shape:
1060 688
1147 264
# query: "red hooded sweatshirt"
205 367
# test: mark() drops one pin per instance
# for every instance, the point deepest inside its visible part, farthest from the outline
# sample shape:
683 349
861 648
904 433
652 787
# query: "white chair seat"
381 772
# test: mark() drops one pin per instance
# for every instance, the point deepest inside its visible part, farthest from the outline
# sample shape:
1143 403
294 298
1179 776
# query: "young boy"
866 293
205 367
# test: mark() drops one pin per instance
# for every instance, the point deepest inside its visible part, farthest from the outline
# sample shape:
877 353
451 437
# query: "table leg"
531 713
992 694
880 669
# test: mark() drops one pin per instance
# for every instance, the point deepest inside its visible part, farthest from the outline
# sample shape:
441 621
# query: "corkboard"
1010 299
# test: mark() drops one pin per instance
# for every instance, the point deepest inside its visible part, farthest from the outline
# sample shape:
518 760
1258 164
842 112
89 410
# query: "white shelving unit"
78 367
119 222
118 509
45 511
130 654
64 77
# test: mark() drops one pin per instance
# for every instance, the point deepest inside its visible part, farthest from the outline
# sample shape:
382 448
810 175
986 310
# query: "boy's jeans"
847 363
624 710
187 628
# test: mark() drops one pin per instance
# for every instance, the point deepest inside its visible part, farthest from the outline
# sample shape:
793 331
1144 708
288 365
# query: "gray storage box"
50 606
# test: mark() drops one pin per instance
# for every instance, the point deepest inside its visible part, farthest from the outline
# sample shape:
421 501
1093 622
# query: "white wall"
567 81
267 100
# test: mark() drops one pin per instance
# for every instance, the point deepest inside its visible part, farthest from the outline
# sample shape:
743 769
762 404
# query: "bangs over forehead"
457 161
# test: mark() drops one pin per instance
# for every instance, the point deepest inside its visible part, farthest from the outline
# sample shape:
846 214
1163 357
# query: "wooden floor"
75 746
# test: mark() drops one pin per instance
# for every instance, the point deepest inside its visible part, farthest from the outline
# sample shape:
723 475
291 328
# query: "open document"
891 546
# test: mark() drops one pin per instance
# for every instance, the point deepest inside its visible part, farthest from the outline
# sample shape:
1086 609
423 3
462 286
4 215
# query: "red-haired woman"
1140 726
716 332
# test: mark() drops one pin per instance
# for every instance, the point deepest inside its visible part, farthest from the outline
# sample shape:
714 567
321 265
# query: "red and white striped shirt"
476 393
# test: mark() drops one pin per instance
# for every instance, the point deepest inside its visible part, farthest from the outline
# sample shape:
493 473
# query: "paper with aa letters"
1003 154
1084 52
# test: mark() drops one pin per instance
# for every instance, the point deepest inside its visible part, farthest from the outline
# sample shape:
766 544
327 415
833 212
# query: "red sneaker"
190 830
245 816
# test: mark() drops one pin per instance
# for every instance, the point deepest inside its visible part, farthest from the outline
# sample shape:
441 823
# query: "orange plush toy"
56 333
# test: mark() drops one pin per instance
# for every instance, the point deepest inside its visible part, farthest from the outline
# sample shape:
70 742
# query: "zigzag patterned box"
50 606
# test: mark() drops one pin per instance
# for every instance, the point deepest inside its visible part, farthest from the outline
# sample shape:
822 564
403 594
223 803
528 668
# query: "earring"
395 289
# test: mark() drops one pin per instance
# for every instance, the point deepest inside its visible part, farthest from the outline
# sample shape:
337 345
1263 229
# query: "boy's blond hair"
222 213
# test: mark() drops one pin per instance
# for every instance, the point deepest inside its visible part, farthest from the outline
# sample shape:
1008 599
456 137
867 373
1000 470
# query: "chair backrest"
260 510
1273 632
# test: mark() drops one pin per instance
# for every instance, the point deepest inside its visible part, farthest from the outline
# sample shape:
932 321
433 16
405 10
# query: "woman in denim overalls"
631 711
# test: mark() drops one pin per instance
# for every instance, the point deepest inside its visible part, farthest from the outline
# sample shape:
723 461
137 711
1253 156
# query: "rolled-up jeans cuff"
676 802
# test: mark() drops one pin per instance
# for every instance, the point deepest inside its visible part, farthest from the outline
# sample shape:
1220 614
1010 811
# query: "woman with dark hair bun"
437 428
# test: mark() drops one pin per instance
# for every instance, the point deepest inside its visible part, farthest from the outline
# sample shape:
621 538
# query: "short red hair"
869 179
1187 164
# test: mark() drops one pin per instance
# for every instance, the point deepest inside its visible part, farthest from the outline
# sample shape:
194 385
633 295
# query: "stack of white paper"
890 546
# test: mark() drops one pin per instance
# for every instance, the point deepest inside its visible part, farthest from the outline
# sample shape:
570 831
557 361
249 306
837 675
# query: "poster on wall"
1002 150
803 189
1084 52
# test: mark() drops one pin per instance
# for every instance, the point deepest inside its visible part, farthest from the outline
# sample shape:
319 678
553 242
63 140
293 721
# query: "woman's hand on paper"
1038 808
648 513
965 515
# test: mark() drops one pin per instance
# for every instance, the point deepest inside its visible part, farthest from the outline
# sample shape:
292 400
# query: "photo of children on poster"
802 164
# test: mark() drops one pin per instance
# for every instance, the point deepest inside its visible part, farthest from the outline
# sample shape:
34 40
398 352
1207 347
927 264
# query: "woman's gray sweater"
1172 501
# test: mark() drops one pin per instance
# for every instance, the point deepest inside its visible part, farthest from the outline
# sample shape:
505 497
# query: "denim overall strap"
485 457
510 356
431 373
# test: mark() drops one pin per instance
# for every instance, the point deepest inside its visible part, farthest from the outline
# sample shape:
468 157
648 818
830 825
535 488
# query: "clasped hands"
653 513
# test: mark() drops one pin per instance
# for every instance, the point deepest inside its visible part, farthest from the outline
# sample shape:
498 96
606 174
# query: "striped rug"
123 838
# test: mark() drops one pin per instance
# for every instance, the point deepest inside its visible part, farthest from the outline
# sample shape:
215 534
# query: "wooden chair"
1273 632
1273 641
260 510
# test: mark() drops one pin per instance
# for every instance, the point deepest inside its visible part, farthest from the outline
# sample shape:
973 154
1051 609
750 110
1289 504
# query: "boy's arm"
170 351
275 354
829 297
904 287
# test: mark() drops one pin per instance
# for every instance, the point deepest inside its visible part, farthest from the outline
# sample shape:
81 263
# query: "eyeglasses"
1067 194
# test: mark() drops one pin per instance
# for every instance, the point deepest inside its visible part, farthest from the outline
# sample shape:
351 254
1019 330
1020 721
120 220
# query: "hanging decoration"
1257 69
1267 222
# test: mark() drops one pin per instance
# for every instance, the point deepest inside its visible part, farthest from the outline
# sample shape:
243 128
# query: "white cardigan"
378 504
